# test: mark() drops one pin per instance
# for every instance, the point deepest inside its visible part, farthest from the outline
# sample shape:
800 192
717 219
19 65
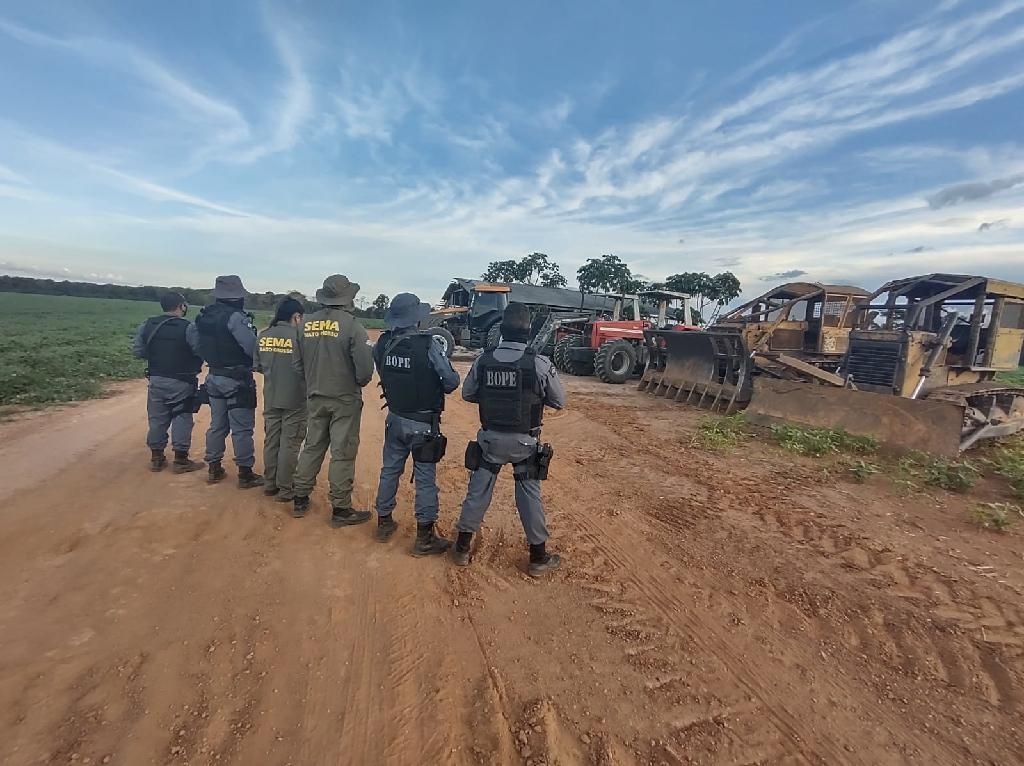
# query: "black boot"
216 472
182 464
386 526
428 543
270 491
247 479
300 507
157 460
348 517
462 552
541 561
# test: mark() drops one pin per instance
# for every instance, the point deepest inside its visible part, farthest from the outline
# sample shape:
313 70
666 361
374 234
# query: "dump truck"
920 369
795 329
470 310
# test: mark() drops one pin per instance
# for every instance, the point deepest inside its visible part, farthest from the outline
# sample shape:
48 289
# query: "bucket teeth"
708 369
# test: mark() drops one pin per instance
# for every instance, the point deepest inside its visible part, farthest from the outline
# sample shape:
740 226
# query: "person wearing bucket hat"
284 399
335 357
415 374
227 341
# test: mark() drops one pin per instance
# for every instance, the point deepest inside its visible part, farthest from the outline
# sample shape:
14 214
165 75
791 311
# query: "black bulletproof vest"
216 343
411 386
167 349
509 393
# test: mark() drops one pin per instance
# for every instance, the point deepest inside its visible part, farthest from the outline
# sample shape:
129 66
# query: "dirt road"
735 608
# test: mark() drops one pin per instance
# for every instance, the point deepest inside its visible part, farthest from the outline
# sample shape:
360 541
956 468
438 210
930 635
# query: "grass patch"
861 470
1015 378
996 516
954 475
822 441
720 433
1008 462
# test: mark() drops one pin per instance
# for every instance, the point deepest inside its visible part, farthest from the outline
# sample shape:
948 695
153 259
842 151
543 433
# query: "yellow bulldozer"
792 329
919 371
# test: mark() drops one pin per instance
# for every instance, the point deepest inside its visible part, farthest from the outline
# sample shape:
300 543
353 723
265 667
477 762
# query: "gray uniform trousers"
238 421
501 449
163 405
283 432
401 436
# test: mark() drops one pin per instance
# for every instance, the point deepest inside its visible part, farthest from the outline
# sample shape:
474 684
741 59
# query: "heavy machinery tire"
582 369
446 338
615 361
560 353
493 336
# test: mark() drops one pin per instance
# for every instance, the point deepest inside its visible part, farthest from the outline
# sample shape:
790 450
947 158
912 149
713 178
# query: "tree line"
609 274
266 301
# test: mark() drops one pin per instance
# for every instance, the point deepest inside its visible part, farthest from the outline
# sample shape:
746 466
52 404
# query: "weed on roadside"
822 441
719 433
996 516
860 470
1008 462
956 476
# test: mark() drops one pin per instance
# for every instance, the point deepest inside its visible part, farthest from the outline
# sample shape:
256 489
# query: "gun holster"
202 396
431 450
536 466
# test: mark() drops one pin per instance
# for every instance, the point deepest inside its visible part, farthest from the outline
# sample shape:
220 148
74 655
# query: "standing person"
227 341
336 359
284 400
170 345
511 385
415 374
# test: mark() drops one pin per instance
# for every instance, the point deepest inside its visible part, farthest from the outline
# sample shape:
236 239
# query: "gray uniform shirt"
500 447
244 333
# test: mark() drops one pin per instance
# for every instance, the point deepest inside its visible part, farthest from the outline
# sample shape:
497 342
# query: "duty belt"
420 417
238 373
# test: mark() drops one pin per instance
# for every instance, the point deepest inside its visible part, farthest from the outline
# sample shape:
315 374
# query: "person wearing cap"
415 374
512 385
284 399
170 345
227 341
335 358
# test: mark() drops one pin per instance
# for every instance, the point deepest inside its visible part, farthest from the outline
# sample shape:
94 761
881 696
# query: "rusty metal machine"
920 370
798 329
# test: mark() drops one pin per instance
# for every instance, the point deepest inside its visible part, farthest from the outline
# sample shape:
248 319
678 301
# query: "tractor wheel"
560 355
615 361
446 338
493 336
582 369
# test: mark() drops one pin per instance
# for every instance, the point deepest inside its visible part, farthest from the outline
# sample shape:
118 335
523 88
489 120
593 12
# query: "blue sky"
404 143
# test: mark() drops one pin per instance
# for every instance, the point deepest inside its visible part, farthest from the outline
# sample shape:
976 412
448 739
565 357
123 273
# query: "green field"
61 349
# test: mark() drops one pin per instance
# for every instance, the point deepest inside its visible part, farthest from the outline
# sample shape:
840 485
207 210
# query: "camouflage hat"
337 291
228 288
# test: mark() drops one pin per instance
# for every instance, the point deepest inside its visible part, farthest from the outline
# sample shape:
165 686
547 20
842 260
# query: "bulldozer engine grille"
874 363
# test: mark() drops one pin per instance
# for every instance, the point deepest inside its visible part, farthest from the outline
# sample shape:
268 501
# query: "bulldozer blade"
708 369
902 424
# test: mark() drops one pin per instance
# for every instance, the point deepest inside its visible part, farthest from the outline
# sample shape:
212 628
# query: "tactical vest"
412 387
509 393
167 349
216 343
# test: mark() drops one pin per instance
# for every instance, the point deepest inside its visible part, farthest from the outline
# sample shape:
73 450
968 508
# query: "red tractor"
613 347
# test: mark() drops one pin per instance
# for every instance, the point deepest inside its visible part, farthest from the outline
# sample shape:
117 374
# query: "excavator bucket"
904 424
710 369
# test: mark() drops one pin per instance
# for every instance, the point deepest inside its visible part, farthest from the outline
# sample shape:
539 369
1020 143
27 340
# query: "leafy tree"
380 305
719 289
607 274
532 269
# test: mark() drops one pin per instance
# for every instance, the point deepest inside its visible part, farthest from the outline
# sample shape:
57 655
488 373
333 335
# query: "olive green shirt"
334 354
283 385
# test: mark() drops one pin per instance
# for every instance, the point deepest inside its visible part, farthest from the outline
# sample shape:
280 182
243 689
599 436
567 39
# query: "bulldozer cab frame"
918 334
799 318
